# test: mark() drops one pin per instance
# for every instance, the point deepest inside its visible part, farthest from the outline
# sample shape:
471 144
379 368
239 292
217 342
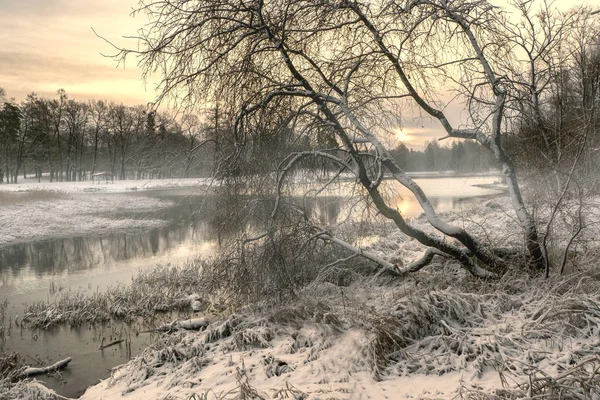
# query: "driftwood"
194 324
114 342
33 371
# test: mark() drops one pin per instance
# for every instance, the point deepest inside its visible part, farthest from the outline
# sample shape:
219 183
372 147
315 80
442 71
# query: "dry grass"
540 337
13 198
11 385
159 290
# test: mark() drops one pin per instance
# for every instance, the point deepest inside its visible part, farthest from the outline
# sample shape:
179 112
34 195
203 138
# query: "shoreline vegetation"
350 332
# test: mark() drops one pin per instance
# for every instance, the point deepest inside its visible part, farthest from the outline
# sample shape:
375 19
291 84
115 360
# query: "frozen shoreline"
35 211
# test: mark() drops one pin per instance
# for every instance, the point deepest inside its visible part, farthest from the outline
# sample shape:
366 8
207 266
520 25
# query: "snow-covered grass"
161 289
437 334
11 387
444 340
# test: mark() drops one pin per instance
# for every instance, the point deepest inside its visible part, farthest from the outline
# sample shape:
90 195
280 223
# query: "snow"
86 213
340 371
321 360
86 205
102 186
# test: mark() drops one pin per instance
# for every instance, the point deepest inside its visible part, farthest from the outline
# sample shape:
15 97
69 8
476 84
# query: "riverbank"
435 334
439 340
36 211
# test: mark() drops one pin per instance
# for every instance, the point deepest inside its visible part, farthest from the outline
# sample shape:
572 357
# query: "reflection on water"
445 194
194 226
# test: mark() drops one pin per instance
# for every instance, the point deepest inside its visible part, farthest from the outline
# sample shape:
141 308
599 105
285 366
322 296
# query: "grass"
539 337
151 294
14 198
11 385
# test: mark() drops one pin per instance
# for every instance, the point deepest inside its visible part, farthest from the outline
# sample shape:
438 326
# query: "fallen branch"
369 256
423 261
114 342
194 324
33 371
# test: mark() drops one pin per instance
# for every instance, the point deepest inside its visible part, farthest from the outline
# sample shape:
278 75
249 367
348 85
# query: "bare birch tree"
346 67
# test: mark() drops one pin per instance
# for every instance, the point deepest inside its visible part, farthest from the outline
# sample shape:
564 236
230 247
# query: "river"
41 269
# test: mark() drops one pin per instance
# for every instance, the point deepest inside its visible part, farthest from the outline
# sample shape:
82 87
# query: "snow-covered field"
103 186
32 210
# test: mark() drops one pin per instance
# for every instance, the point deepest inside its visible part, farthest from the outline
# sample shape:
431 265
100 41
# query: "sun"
402 135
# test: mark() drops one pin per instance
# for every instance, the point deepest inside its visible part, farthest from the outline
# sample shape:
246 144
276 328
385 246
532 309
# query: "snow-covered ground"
32 210
385 342
103 186
437 334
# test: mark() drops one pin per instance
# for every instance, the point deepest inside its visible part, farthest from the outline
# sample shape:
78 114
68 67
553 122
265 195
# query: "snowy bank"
34 211
103 186
408 340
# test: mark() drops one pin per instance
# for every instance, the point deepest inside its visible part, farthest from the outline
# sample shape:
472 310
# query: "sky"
49 44
46 45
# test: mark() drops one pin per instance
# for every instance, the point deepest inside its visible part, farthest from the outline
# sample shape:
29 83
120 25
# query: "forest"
71 140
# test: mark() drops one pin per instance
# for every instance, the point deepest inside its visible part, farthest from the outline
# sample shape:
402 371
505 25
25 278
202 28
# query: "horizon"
53 44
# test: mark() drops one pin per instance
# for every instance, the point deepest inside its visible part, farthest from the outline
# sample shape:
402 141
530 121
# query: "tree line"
72 140
460 157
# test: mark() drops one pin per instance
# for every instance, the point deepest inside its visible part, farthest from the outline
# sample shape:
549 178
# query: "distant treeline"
72 140
459 157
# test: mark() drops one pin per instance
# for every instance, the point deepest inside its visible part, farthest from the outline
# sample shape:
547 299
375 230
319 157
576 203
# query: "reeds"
160 289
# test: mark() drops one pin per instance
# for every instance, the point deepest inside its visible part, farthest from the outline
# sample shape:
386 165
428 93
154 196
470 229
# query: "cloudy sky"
49 44
46 45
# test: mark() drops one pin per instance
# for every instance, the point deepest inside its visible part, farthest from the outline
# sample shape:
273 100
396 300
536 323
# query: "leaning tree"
343 69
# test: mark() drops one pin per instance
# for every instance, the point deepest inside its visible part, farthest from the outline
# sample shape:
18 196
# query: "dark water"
195 226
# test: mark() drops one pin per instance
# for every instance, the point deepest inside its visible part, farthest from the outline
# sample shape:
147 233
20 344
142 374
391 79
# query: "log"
114 342
194 324
33 371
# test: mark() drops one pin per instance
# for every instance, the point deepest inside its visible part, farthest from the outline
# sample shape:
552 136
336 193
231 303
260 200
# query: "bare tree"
99 121
345 68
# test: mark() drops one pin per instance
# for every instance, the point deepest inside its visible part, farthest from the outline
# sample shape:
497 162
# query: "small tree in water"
334 73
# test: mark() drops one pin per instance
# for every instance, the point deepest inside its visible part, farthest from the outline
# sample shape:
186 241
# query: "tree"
401 155
343 64
76 120
56 109
10 121
99 118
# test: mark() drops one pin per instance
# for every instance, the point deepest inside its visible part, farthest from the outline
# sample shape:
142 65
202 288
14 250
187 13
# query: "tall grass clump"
160 289
277 265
